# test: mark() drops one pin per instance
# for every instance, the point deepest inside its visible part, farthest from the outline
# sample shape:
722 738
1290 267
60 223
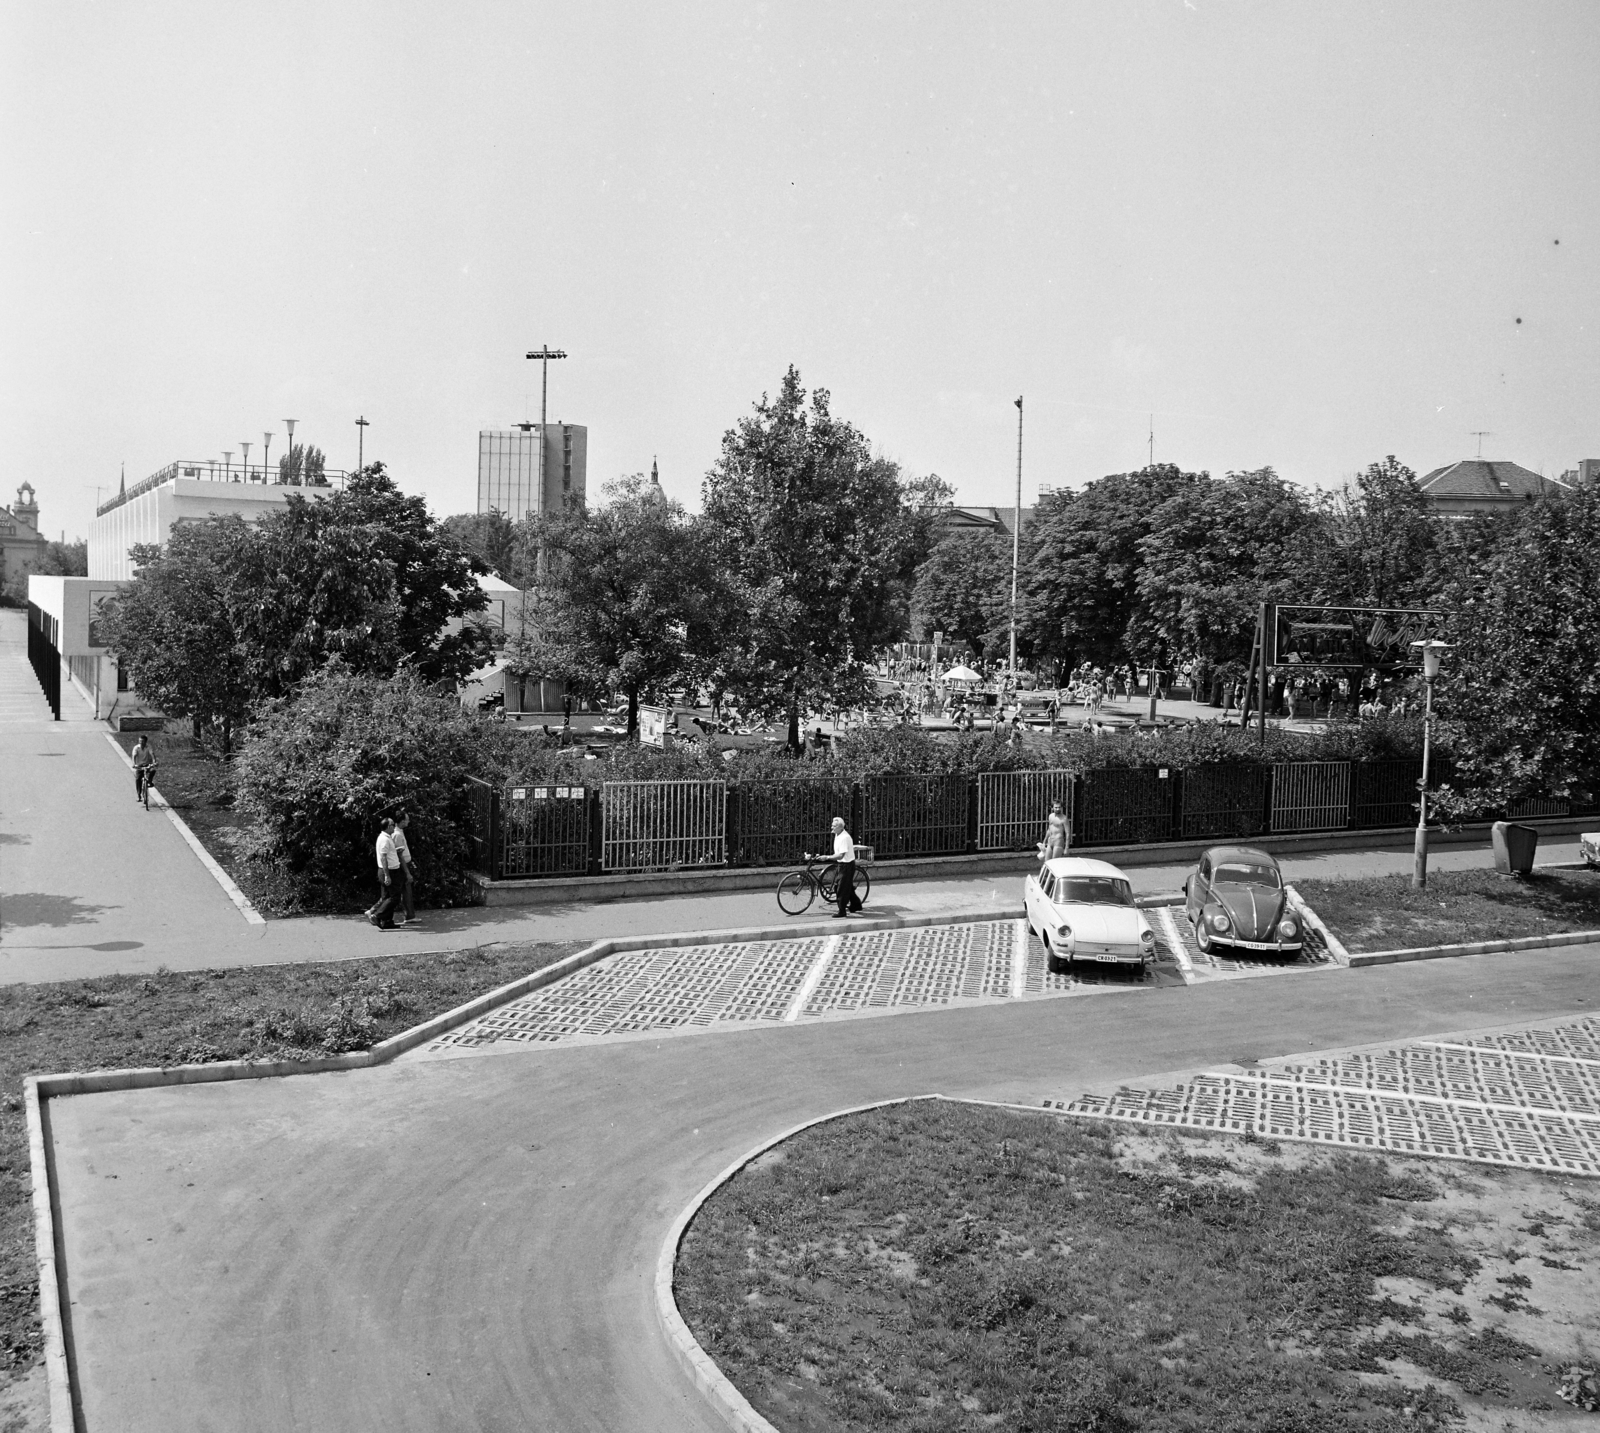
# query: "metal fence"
1534 806
1120 805
914 815
1384 793
776 823
1228 799
1013 807
1311 796
44 657
663 825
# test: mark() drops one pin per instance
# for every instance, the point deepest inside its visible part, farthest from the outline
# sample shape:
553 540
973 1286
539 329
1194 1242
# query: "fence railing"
672 825
1013 807
663 825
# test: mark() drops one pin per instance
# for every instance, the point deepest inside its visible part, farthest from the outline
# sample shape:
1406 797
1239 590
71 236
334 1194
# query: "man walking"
844 852
407 870
382 914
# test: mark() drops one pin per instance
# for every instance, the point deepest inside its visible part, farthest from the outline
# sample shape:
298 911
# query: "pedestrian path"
1529 1099
734 985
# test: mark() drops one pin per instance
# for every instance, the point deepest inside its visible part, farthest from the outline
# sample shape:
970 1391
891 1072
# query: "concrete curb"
220 876
1476 947
58 1380
1312 919
729 1404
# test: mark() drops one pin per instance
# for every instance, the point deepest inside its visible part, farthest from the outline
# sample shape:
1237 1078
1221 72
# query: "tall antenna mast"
1016 544
1480 434
1152 440
544 355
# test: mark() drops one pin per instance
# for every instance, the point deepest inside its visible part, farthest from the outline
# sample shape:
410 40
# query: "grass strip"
268 1012
1384 913
939 1267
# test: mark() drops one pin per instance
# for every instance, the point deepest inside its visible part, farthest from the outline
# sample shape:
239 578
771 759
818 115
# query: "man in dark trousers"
389 878
844 852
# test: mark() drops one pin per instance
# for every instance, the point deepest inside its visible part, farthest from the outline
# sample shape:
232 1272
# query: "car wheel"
1052 962
1202 935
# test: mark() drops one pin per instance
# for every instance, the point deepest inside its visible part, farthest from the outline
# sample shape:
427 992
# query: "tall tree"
964 587
1215 550
1520 688
623 602
495 541
811 530
1080 589
1374 541
176 628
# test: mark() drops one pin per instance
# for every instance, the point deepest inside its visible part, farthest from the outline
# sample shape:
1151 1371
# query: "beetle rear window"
1232 875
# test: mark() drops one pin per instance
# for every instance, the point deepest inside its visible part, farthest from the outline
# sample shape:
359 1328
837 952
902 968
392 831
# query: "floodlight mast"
1016 546
544 355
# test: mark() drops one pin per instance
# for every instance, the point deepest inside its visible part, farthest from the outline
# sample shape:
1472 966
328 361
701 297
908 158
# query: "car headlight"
1147 937
1064 932
1219 921
1288 929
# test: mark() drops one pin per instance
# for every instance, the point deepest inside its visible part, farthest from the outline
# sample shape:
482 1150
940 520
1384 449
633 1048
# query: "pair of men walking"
395 885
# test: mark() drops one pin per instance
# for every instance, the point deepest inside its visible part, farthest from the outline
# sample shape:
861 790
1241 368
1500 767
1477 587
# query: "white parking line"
1511 1054
808 986
1169 923
1019 959
1283 1082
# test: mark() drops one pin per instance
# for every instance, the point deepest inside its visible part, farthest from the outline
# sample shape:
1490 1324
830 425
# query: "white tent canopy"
961 674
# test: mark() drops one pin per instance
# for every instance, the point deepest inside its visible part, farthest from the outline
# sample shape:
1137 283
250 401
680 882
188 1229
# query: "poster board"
653 725
1355 638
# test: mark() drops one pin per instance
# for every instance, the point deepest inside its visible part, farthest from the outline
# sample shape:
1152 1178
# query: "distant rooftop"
1487 479
222 470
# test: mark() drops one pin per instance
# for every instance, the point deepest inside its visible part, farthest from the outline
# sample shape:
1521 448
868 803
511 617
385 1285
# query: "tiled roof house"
1484 485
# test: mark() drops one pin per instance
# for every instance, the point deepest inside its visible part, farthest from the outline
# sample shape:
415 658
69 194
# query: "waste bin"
1514 846
1216 691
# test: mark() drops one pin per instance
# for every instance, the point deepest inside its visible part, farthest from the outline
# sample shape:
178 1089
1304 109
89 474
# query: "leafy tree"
964 587
321 768
623 603
1080 588
175 627
1374 541
1215 550
494 540
811 530
304 467
1519 691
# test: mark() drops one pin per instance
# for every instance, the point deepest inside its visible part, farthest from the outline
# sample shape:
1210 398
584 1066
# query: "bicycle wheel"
863 883
828 883
796 891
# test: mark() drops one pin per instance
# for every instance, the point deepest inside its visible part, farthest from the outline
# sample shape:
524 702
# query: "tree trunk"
227 736
633 714
794 724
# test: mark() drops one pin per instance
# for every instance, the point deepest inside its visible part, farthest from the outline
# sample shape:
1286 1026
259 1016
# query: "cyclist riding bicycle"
144 766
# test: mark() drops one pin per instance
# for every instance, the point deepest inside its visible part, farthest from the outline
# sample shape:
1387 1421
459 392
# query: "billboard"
653 726
1348 637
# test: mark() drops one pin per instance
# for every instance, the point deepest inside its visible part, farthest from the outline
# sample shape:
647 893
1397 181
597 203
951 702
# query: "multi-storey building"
509 474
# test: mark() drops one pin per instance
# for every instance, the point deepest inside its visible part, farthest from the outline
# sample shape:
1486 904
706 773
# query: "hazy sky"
1301 235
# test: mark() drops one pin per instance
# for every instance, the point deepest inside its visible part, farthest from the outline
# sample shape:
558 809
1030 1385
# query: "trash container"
1216 691
1514 846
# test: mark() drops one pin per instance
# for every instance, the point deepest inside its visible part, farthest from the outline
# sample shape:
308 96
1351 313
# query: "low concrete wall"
563 890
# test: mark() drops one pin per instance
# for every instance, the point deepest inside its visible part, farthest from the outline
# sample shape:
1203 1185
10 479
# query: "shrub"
321 768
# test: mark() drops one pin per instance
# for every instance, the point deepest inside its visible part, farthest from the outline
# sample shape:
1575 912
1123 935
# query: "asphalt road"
468 1244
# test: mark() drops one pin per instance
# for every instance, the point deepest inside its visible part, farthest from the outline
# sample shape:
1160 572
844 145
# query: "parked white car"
1084 910
1589 849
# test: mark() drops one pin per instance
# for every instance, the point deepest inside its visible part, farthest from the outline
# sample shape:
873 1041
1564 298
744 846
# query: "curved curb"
1475 947
729 1404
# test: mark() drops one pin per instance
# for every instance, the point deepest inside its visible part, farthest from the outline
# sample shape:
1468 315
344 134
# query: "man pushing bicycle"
844 853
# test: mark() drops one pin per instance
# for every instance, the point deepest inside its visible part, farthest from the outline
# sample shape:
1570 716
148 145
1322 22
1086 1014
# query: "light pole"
227 465
266 445
361 442
544 354
244 447
1431 652
289 424
1016 545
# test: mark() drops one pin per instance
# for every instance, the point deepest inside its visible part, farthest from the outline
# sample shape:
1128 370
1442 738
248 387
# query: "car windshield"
1093 891
1241 875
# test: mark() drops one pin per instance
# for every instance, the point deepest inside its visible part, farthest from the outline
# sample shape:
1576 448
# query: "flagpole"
1016 545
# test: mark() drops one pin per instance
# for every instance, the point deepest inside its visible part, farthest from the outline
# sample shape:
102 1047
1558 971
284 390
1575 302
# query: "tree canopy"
809 529
964 588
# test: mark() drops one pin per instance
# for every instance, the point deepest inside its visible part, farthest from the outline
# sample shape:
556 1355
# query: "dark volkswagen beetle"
1235 897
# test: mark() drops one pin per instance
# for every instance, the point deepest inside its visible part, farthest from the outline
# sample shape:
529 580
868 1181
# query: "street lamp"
544 353
245 448
266 446
289 424
361 442
227 465
1431 652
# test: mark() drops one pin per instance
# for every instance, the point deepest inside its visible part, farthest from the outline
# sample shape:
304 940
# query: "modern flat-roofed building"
508 468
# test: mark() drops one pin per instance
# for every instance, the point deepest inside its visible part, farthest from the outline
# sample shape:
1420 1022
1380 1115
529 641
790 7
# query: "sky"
1304 236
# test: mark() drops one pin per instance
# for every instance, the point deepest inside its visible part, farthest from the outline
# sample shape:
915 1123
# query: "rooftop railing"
222 470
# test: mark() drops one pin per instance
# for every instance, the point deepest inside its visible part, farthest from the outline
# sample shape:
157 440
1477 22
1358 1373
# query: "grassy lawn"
939 1267
1384 913
264 1012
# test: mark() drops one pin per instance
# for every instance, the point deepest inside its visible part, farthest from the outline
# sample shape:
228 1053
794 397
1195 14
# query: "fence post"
1269 785
494 861
592 796
858 806
1175 832
732 811
972 814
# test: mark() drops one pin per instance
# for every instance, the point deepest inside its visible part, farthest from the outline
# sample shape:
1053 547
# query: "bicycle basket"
865 855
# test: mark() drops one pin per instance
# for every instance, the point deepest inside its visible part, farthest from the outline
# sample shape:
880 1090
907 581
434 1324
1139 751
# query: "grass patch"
1385 913
942 1267
194 1017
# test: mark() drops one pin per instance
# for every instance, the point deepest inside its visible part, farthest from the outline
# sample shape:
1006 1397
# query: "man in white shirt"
382 914
844 852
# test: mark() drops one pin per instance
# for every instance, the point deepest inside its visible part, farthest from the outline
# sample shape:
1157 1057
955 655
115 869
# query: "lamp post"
244 447
1016 545
289 424
361 442
227 465
544 354
1431 652
266 445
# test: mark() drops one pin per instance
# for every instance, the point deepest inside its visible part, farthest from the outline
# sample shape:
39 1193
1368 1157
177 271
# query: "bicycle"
146 776
798 889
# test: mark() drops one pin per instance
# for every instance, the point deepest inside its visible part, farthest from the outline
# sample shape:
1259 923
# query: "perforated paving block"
1529 1100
